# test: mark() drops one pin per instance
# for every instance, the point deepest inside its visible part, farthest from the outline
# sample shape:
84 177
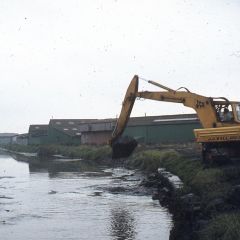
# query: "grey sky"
75 59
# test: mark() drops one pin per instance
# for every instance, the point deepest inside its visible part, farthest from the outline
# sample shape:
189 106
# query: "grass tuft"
223 227
84 151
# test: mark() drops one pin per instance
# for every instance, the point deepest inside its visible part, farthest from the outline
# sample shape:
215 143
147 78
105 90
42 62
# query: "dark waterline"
51 201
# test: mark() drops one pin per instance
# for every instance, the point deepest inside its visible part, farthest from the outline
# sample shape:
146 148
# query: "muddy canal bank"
207 205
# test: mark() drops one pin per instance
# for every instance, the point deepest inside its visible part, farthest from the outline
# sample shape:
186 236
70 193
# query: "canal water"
56 200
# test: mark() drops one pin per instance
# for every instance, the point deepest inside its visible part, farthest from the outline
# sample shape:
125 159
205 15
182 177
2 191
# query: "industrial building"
8 138
22 139
66 131
38 134
148 129
97 132
166 128
79 131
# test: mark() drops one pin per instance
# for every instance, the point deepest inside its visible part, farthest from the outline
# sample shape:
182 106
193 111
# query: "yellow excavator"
219 117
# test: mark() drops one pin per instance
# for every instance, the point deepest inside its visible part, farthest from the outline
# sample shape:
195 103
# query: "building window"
74 129
65 129
58 123
71 123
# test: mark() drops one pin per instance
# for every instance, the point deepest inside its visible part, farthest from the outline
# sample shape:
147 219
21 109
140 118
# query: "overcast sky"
75 58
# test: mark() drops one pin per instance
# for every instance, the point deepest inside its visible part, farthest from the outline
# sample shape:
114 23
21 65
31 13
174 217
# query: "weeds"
87 152
22 148
211 185
83 151
223 227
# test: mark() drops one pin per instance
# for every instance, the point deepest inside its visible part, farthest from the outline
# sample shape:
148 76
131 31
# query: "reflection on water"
9 167
122 224
65 199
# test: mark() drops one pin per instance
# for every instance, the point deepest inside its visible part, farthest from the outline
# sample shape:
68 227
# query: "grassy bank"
21 148
225 226
210 182
96 153
216 194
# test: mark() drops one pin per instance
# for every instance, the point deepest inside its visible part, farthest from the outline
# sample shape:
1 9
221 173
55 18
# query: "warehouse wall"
58 137
178 132
36 140
96 137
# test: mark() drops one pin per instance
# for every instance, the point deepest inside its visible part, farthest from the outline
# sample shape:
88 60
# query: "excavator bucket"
123 147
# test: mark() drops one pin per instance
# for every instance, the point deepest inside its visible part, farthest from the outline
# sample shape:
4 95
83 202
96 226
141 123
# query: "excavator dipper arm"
126 110
123 147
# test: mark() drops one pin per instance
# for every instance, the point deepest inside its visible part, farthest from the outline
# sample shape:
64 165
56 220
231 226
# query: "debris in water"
52 192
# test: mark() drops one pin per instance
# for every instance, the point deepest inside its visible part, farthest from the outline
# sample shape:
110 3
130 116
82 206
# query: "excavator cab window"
225 113
238 111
